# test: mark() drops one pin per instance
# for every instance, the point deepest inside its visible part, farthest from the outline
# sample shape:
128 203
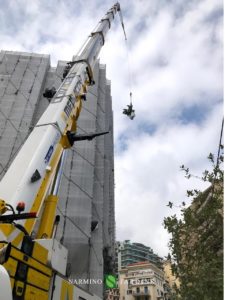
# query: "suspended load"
129 111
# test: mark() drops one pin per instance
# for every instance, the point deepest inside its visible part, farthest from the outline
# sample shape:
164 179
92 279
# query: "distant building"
171 282
129 253
112 294
142 281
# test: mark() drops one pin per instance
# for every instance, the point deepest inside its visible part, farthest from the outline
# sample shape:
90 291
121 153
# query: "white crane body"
33 178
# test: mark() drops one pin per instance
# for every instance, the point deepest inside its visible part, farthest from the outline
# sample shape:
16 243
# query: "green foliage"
196 242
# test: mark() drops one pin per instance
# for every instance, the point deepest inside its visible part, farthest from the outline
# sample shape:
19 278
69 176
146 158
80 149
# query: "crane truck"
33 264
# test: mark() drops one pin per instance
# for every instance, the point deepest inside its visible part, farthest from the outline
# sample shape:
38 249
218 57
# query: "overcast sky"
175 50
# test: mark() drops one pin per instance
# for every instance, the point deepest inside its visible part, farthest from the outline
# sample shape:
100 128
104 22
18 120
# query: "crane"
33 266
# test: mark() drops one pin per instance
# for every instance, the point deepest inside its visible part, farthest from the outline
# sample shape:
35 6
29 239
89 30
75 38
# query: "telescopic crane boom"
32 181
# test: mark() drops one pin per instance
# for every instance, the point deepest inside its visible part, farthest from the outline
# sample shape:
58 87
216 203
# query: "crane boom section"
31 175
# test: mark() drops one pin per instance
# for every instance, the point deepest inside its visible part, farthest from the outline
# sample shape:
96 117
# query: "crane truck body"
33 264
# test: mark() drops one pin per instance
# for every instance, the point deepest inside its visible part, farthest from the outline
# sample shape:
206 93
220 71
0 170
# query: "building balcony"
140 275
142 297
136 284
141 293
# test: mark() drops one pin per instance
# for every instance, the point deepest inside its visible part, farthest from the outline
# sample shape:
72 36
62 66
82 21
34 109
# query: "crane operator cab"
129 111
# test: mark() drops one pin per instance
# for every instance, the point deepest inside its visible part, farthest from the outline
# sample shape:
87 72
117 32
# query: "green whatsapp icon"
110 281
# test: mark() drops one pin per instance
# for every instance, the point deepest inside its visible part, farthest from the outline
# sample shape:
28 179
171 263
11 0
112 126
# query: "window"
129 292
145 289
138 290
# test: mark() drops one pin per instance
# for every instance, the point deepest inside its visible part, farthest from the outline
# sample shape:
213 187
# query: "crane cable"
128 58
129 69
129 72
127 50
121 21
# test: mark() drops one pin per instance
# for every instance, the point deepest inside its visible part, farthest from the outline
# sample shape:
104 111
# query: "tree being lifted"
129 111
197 240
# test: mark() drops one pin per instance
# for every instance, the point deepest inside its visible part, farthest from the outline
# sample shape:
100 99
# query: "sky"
175 54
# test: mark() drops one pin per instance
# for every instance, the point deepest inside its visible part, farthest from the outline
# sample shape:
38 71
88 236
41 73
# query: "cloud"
175 55
175 62
148 176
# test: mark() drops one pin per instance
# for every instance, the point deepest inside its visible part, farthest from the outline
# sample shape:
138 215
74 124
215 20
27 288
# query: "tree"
196 242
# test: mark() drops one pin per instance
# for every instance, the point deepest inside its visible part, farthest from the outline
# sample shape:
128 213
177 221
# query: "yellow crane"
34 267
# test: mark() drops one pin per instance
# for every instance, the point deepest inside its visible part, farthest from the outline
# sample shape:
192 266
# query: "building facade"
141 281
86 205
112 294
129 253
171 281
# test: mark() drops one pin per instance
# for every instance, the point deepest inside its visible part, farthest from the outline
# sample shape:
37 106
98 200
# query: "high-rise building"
129 253
86 205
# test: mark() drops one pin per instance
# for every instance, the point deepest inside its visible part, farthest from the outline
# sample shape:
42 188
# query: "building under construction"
86 205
